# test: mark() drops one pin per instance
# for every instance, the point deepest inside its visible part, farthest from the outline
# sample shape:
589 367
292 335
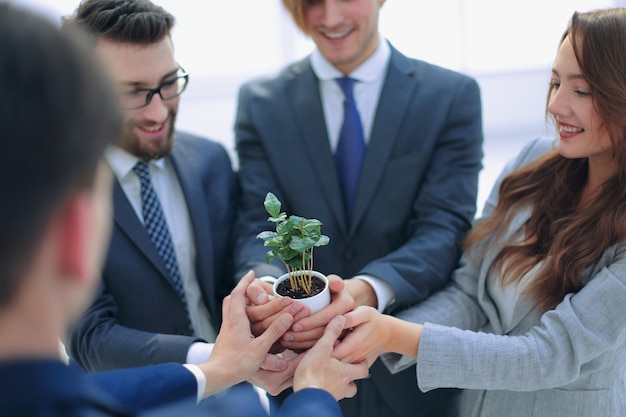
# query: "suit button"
349 255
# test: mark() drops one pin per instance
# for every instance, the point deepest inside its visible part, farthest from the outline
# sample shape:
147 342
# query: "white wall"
507 46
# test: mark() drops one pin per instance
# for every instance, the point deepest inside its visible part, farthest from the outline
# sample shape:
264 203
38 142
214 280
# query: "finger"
238 297
274 331
331 333
358 316
274 363
360 370
303 313
350 390
226 308
262 312
335 283
258 292
242 285
302 340
348 349
319 319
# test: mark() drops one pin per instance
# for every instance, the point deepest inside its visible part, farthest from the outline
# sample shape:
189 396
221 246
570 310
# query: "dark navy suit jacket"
41 388
416 196
137 318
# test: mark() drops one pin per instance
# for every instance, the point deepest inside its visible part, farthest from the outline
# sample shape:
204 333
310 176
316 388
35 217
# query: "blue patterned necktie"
350 148
156 225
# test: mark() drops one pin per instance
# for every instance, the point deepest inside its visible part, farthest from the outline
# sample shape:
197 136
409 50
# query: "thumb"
275 330
332 332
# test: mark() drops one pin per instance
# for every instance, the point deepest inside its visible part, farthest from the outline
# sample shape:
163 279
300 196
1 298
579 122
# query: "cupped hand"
366 337
262 310
237 353
306 331
318 368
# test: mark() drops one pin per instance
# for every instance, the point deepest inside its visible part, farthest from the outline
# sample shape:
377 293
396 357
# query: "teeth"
570 129
336 35
152 128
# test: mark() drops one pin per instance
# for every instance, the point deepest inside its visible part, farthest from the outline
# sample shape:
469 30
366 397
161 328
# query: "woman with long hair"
534 321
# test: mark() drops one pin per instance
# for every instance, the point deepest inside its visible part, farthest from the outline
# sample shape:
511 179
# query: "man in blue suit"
58 113
158 303
395 230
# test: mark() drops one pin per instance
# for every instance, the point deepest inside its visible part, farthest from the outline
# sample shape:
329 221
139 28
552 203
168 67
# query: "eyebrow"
576 76
140 83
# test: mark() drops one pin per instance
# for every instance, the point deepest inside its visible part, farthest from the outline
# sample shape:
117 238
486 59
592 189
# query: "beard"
142 148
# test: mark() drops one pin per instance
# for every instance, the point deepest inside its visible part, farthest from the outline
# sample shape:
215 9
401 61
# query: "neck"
29 329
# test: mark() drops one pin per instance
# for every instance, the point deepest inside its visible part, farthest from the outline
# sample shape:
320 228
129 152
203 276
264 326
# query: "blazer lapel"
126 219
184 160
400 84
523 306
309 119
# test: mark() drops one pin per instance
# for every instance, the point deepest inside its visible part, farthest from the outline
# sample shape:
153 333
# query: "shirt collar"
369 71
122 162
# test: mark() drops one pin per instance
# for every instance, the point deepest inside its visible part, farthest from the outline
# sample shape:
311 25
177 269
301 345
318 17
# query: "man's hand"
237 354
262 310
276 382
306 331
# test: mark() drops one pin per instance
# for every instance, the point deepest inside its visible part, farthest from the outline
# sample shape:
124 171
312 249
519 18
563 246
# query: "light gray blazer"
570 361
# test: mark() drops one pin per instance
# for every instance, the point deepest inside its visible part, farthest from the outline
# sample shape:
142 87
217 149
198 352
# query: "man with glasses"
169 262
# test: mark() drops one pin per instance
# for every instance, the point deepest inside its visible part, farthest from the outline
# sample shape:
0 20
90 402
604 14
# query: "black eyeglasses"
168 90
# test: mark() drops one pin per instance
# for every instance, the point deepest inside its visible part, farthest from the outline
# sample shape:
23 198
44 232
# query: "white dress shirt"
172 199
370 76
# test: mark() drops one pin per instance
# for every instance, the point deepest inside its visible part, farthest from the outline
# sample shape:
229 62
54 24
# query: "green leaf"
272 205
323 240
269 257
301 244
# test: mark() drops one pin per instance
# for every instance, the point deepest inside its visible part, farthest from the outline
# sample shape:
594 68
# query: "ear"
74 233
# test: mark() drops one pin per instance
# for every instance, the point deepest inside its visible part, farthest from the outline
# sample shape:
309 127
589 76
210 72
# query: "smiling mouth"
152 128
570 129
339 35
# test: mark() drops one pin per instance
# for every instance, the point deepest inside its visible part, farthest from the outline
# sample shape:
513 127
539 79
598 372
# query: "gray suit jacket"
417 193
570 361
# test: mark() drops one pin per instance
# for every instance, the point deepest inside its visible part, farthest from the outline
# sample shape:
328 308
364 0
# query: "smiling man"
169 262
385 150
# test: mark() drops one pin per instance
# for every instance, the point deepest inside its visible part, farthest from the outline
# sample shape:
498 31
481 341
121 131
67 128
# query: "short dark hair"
58 113
128 21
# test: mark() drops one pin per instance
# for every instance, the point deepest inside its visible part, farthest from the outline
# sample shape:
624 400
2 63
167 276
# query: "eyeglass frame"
157 90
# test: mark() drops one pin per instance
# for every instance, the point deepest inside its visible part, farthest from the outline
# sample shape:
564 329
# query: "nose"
332 13
157 110
558 103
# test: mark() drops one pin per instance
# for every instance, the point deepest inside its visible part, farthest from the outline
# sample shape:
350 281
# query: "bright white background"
507 46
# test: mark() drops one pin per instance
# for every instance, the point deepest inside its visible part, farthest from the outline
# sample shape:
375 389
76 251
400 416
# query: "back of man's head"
125 21
57 115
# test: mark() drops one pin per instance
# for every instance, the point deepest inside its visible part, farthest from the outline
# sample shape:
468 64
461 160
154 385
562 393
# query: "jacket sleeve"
98 342
148 387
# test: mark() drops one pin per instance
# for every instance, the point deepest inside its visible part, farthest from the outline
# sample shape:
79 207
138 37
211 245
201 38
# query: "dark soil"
284 289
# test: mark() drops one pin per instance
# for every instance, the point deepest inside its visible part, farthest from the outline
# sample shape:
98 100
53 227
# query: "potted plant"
292 242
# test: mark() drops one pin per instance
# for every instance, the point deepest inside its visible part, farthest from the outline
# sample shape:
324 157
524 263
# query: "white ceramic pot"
316 302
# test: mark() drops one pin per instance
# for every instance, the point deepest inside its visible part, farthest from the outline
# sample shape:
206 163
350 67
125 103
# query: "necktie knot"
141 169
347 86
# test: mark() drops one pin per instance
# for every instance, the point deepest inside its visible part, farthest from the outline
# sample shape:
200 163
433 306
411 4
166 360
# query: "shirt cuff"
200 379
199 352
385 294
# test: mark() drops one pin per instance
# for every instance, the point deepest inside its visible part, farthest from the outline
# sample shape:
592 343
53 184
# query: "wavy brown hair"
566 235
296 10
